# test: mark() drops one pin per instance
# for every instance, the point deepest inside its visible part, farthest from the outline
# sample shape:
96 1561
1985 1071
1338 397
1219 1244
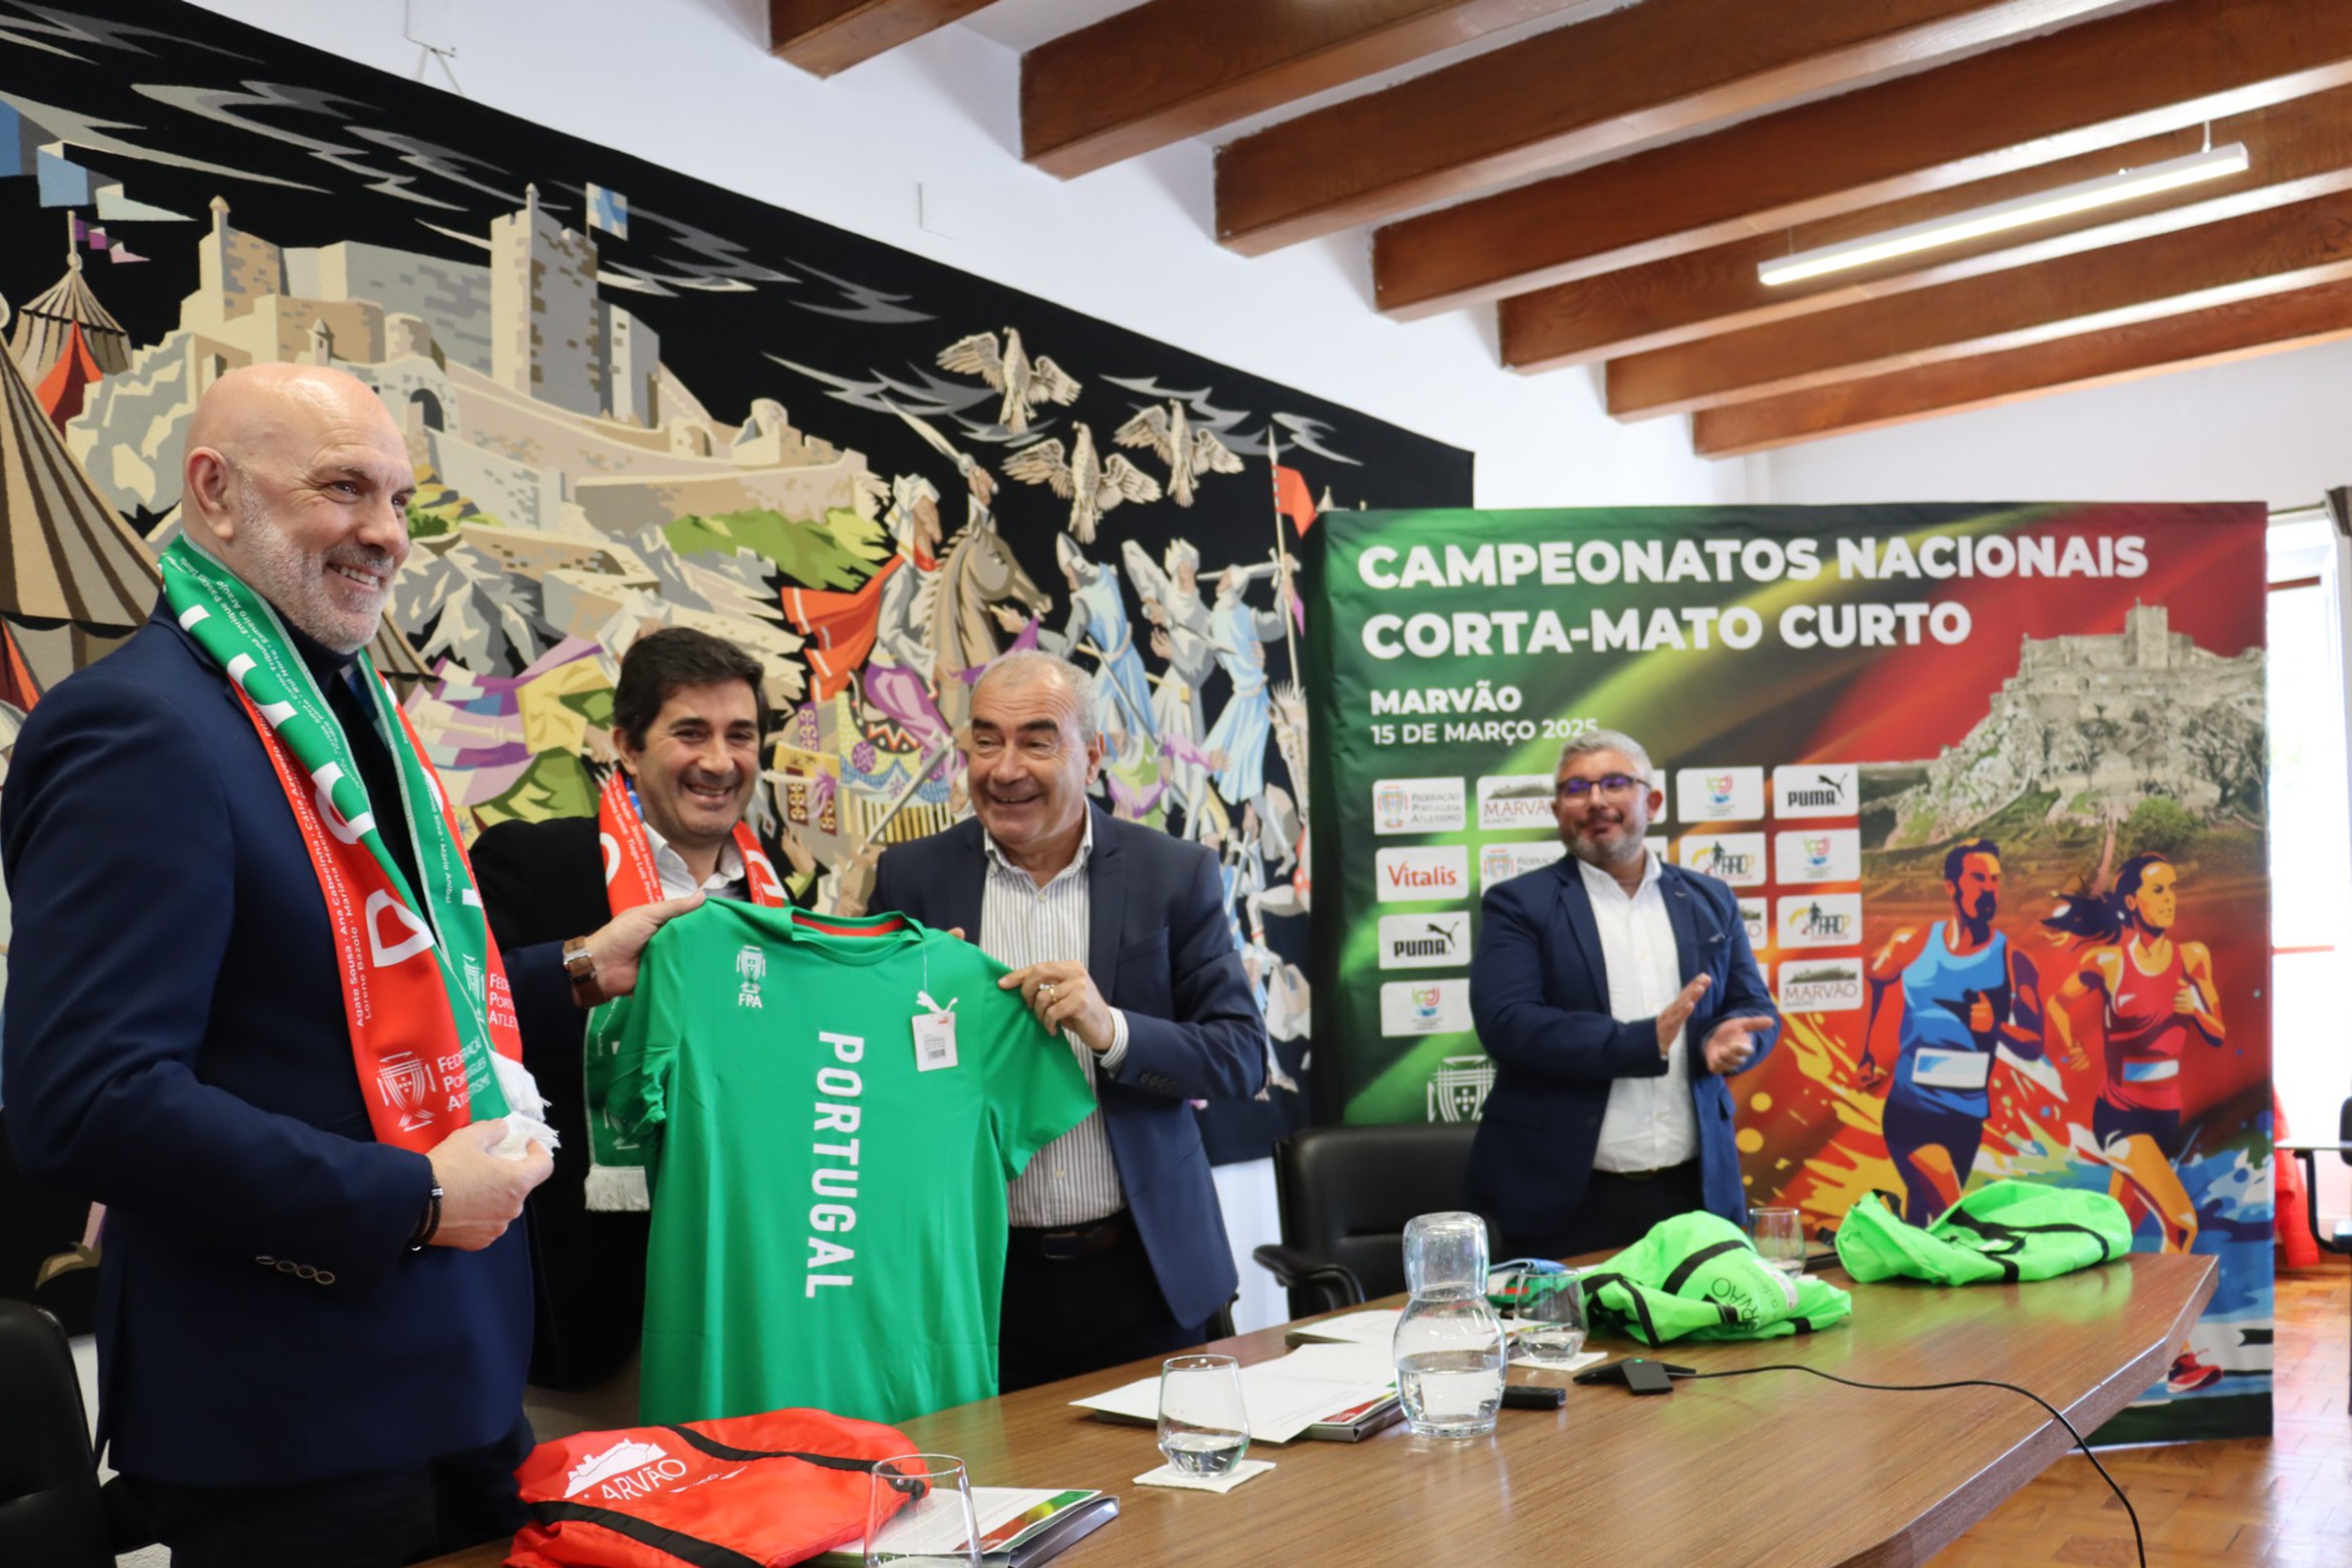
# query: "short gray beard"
290 581
1602 859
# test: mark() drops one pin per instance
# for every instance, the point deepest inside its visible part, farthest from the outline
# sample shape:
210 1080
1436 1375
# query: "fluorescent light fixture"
2065 201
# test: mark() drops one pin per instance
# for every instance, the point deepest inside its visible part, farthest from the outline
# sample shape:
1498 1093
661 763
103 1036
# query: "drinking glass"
1779 1238
934 1527
1549 1308
1203 1425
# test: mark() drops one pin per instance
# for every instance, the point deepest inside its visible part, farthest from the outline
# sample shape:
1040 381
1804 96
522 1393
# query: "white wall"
2273 429
688 84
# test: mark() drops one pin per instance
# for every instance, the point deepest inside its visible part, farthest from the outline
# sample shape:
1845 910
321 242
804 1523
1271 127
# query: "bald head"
298 481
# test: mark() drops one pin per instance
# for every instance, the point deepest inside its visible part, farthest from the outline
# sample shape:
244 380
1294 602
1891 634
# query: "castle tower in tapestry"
544 337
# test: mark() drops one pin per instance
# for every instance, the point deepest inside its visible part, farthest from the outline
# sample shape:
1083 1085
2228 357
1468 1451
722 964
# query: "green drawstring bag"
2000 1233
1697 1277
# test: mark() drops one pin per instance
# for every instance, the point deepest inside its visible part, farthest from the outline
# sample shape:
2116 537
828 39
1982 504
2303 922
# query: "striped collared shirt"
1071 1181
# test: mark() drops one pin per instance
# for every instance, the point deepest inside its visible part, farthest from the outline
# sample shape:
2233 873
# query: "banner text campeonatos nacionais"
1635 629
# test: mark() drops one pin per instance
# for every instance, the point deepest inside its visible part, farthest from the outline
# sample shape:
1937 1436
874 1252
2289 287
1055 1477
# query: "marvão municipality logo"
1734 858
1820 919
1719 795
1818 855
1437 941
1760 925
1515 800
628 1469
1425 1008
1821 985
1417 805
1427 872
1816 789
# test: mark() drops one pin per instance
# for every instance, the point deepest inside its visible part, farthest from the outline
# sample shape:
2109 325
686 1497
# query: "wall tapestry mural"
636 399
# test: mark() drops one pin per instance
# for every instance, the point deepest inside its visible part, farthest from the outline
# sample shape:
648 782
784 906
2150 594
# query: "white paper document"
1375 1326
1282 1398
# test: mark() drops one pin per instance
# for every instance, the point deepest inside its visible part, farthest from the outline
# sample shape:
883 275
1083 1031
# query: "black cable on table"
2055 1414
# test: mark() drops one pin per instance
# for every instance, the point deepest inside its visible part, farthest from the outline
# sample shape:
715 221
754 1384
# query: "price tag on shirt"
935 1046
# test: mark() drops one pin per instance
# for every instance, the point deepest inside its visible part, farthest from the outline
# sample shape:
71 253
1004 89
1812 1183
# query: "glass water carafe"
1449 1343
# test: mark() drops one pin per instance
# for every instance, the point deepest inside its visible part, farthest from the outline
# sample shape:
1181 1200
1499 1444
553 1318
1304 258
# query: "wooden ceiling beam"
1174 68
2093 85
1582 94
2297 150
2269 252
2239 330
826 37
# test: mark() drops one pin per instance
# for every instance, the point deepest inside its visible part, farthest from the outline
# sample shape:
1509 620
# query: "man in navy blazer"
1116 934
312 1344
1615 994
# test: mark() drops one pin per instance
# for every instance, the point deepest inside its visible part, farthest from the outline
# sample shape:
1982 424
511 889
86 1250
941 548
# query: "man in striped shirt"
1116 938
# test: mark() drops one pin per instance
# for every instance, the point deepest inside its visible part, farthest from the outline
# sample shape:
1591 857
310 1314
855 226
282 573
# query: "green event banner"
1836 703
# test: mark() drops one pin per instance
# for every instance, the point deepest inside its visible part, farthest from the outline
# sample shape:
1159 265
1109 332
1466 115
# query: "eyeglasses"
1607 783
1037 746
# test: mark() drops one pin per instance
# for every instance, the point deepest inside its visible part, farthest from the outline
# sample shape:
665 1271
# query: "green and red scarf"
425 993
617 1162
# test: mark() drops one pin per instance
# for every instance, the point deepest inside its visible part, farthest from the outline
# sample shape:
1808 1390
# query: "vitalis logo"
1457 1090
1822 985
1432 871
628 1469
1821 920
1816 789
1417 805
1425 941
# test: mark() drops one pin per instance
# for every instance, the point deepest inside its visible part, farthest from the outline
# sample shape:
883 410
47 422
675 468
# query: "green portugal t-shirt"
828 1217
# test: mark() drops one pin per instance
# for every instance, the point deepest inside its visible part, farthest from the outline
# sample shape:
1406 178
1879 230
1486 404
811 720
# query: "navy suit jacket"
1158 948
176 1047
1540 998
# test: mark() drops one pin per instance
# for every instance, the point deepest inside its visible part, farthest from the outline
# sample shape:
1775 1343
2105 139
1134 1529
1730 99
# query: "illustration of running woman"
2155 992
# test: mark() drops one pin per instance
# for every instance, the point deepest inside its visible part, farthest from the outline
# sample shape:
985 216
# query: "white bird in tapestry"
1024 381
1091 486
1189 453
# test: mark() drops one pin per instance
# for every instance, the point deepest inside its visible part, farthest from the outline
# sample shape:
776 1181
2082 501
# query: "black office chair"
2337 1240
51 1510
1344 1195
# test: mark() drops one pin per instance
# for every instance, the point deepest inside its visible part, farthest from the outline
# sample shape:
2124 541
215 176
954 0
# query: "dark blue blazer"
1159 950
1540 998
176 1047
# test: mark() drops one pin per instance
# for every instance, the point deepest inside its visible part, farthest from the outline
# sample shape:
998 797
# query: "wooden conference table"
1779 1468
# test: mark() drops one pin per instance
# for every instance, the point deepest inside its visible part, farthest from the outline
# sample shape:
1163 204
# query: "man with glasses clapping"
1615 994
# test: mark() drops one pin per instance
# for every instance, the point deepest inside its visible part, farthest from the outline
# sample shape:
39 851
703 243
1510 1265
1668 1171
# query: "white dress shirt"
1073 1180
1650 1123
726 882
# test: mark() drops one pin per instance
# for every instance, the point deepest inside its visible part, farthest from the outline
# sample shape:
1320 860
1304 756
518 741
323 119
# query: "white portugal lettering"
834 1175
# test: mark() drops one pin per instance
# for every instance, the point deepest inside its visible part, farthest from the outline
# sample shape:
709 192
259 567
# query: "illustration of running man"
1965 993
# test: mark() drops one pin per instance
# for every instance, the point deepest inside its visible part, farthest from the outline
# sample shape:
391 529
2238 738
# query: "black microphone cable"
2138 1544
